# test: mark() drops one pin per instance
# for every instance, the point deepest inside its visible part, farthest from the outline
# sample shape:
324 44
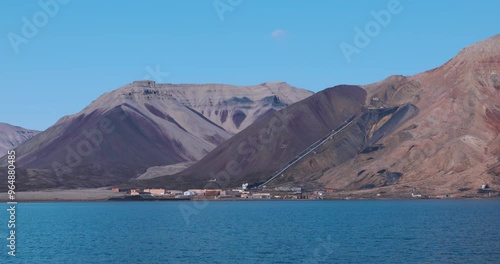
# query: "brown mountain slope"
452 145
456 138
358 139
140 125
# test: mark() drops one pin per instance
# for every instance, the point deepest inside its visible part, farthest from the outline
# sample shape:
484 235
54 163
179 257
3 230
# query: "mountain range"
435 133
142 125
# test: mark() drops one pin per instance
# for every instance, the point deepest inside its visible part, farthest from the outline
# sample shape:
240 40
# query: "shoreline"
104 194
250 200
246 200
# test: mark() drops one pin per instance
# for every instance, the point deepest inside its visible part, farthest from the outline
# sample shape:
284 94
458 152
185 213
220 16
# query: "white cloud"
278 34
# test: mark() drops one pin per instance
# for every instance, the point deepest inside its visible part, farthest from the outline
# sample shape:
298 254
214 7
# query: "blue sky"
81 49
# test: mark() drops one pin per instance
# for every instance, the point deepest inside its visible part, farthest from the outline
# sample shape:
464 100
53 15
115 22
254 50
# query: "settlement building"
155 191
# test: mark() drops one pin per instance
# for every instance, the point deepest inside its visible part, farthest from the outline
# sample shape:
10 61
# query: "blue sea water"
256 232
